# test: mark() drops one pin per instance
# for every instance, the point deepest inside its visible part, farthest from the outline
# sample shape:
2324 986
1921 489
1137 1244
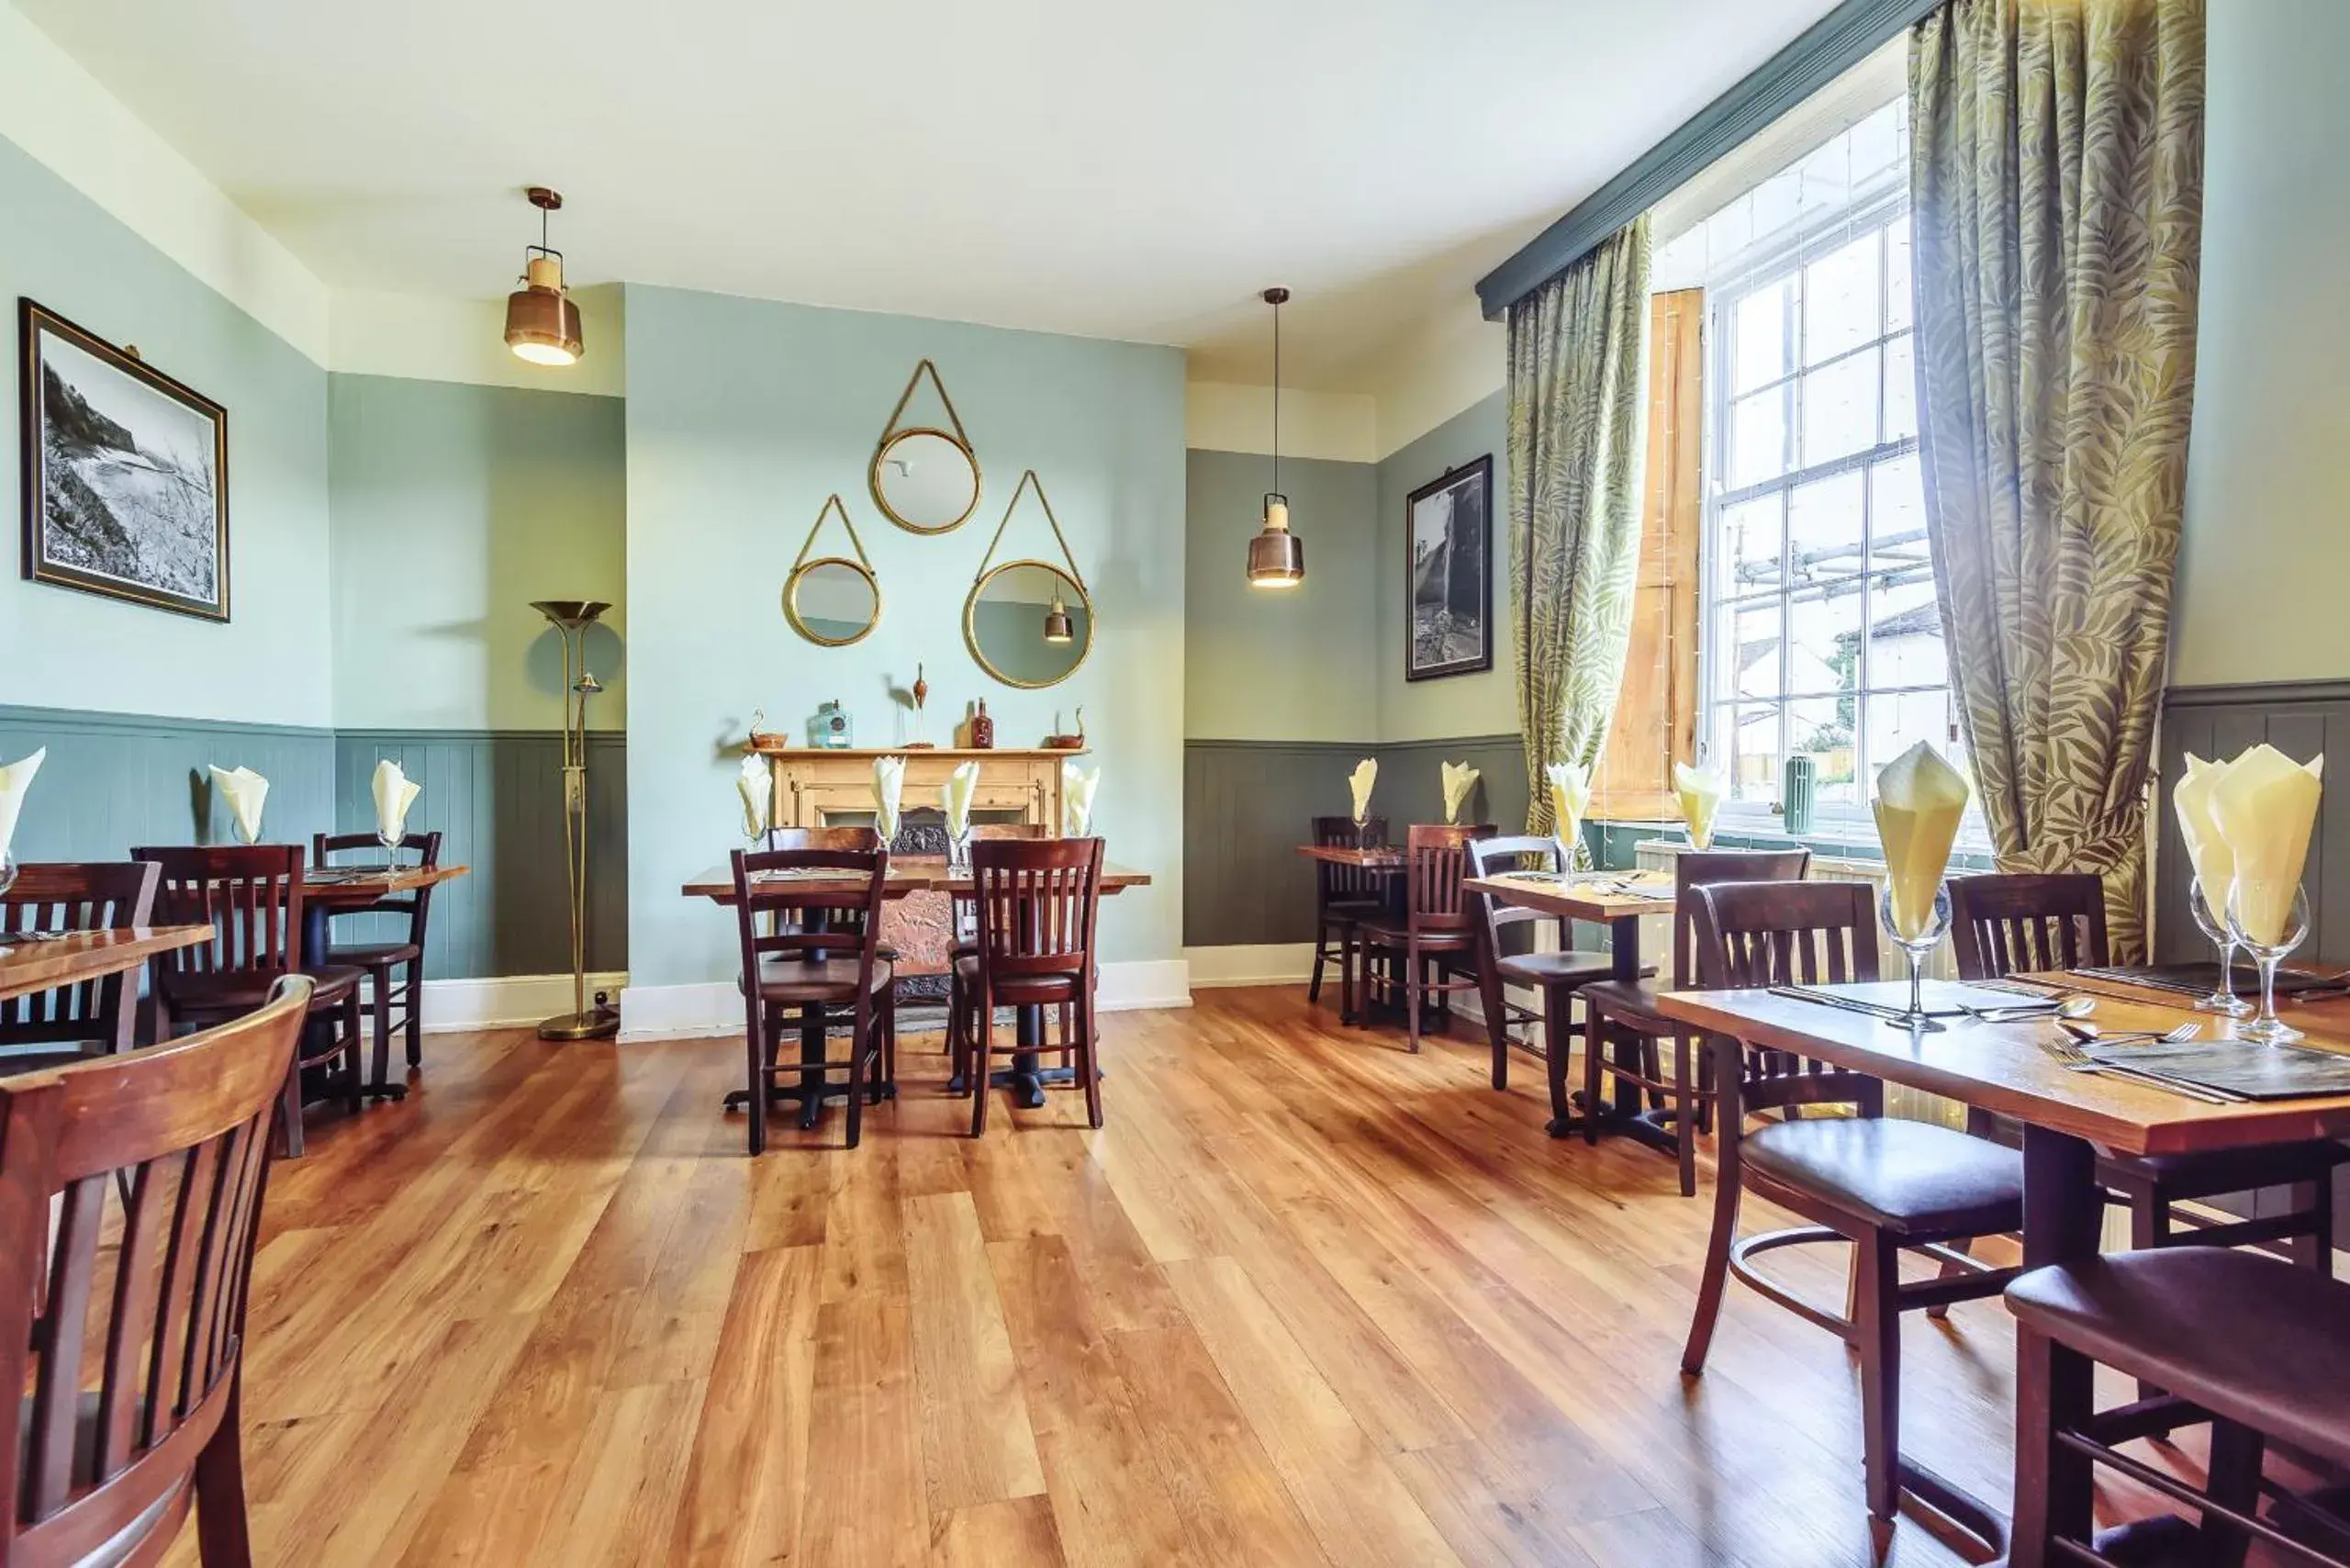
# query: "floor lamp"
571 617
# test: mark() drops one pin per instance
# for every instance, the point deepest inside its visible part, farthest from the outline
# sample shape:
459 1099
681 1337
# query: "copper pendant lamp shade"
1056 623
541 322
1276 556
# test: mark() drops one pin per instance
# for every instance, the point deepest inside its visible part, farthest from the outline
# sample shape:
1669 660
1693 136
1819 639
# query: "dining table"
329 890
33 962
1025 1077
2017 1069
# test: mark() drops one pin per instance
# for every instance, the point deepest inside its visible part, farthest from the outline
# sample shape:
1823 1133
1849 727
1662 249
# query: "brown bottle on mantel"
982 729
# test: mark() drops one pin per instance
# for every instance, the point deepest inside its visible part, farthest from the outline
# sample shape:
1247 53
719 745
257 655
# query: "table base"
811 1101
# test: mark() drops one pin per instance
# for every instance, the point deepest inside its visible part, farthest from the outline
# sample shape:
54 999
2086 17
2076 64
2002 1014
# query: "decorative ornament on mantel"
1276 556
541 322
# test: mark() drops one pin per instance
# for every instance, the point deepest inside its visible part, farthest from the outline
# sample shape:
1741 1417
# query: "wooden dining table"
329 890
30 964
2067 1116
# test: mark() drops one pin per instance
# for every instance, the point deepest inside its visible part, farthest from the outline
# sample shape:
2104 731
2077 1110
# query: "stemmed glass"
2213 922
8 877
2268 1028
1919 947
391 841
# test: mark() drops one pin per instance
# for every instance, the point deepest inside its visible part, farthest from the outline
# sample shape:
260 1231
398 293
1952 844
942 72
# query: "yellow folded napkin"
1365 774
2266 806
1701 790
889 790
244 790
1077 785
751 782
15 779
954 798
394 795
1459 780
1570 797
1920 800
2207 851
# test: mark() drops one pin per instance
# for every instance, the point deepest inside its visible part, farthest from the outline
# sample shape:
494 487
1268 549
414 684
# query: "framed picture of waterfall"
1448 573
126 473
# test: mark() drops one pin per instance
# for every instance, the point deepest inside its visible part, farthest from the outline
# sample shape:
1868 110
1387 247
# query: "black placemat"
2202 979
2239 1067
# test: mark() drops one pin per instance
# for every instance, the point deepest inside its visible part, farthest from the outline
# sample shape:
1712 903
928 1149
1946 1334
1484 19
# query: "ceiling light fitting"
541 322
1276 556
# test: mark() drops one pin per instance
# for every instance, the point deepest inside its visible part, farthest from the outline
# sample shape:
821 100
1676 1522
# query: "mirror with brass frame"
925 479
831 600
1029 622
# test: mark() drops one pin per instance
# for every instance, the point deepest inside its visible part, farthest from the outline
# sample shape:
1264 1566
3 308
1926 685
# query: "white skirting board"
715 1007
1271 963
505 1001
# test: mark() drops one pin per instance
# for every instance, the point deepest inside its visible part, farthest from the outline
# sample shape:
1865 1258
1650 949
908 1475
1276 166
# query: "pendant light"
1056 623
1276 556
542 323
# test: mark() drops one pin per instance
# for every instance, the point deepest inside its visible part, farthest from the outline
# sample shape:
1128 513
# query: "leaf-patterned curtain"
2058 178
1578 402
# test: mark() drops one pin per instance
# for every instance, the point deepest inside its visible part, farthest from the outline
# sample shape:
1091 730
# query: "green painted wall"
2265 549
454 507
742 416
1479 704
63 649
1287 664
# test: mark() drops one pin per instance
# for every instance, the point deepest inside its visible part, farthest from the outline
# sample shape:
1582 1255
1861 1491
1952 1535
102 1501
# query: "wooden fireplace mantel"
816 785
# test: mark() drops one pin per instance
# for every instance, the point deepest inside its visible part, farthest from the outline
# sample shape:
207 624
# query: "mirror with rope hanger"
924 477
832 601
1029 622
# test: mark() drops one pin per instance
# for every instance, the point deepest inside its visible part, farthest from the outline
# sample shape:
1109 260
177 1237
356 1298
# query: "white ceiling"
1102 167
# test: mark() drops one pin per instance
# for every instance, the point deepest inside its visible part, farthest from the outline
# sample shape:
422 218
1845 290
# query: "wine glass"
2267 1027
391 838
1919 946
2213 922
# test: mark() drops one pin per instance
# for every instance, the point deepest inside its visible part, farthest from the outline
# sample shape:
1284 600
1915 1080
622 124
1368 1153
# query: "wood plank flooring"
1306 1299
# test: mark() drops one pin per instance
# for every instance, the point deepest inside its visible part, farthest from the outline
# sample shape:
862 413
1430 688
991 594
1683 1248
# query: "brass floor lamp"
571 617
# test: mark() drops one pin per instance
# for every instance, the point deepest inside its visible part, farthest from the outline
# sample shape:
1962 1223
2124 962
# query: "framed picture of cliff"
1448 573
126 473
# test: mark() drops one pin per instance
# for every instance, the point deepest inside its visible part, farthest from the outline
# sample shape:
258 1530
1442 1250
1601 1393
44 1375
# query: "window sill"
1829 845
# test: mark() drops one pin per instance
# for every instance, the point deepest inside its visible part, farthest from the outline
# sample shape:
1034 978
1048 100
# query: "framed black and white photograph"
1448 573
126 474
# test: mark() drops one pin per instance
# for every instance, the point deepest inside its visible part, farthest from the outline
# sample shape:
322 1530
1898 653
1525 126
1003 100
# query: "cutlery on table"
2071 1052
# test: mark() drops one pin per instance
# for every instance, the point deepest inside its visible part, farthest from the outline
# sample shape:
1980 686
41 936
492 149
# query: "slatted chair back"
1348 884
1507 856
857 840
2001 925
1037 900
1693 868
250 894
1436 858
966 915
1767 934
812 904
420 849
101 896
155 1162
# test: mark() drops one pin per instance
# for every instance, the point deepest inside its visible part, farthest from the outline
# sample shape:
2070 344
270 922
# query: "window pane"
1775 200
1839 305
1752 745
1876 142
1898 521
1900 389
1750 536
1824 180
1759 336
1823 729
1905 642
1824 637
1898 722
1839 408
1897 274
1750 635
1824 528
1758 438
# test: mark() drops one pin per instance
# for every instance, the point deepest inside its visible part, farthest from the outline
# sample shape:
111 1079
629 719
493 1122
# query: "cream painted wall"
2268 544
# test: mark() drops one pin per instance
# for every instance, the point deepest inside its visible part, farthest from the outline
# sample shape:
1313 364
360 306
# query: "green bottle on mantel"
982 729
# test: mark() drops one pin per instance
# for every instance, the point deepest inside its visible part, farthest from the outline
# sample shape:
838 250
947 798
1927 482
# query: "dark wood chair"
123 1321
1624 1013
250 894
1884 1185
1553 976
1343 897
2003 924
1037 903
52 1028
811 948
860 840
378 959
963 940
1437 935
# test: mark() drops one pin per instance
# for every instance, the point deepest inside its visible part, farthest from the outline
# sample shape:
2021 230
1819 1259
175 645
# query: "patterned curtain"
2057 180
1578 403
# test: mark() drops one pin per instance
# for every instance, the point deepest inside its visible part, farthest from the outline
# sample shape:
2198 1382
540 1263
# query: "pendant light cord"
1277 397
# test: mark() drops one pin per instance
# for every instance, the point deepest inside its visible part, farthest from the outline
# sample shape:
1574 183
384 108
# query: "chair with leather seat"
1882 1185
1554 975
405 951
1436 936
2005 925
1623 1014
1038 901
52 1028
1343 897
250 894
2250 1344
809 924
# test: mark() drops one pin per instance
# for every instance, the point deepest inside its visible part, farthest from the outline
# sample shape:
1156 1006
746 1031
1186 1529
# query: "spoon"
2090 1034
2071 1007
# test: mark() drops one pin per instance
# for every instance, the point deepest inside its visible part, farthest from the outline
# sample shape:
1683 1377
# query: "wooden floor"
1305 1300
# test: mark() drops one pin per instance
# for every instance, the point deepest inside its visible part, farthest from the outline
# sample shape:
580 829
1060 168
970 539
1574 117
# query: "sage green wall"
1482 704
63 649
1279 664
2266 548
742 416
454 507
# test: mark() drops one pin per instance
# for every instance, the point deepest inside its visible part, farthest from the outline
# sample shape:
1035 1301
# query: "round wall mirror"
831 601
1028 624
925 480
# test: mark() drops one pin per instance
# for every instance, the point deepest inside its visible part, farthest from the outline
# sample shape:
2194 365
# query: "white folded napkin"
889 790
1077 785
1360 782
1701 790
752 782
2207 851
244 790
1570 798
1920 800
1459 780
954 798
394 795
15 779
2266 806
